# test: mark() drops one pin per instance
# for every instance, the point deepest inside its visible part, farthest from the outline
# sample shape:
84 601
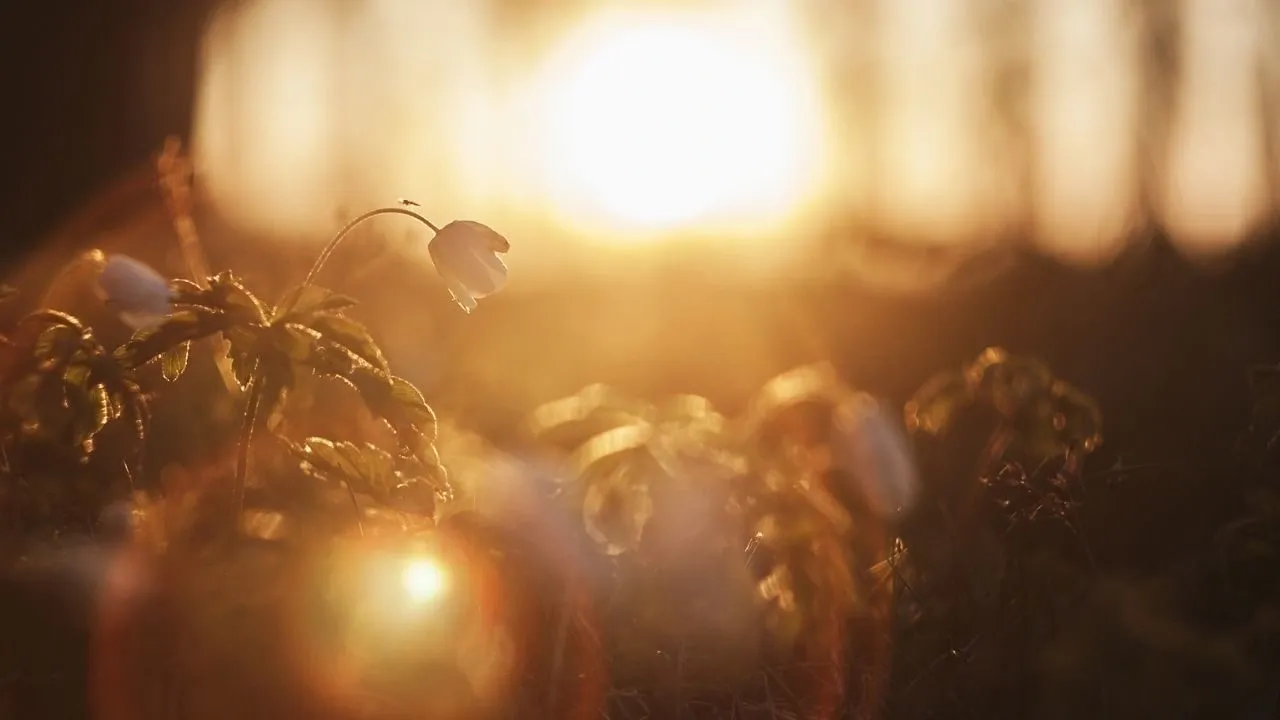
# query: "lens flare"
423 580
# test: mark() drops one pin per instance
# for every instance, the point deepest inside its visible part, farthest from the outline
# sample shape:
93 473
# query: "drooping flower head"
465 254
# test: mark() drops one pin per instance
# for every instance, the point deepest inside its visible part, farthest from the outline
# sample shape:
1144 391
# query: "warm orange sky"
744 119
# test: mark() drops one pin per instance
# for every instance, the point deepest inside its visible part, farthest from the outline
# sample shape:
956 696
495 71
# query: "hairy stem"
342 234
247 424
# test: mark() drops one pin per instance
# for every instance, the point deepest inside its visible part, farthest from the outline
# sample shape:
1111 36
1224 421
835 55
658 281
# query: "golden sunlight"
936 122
657 121
423 580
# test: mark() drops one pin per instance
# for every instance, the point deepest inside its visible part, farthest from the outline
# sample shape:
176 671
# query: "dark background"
90 90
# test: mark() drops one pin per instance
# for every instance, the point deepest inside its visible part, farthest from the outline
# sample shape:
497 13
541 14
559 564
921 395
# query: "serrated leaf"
101 406
174 361
307 300
351 335
414 407
336 362
190 324
43 317
242 365
392 399
76 375
365 469
53 340
294 341
185 292
115 406
236 298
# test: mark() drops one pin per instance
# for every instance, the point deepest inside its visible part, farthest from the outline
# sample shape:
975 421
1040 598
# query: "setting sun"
658 122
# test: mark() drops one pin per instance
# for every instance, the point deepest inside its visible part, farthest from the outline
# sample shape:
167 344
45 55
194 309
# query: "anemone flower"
138 294
465 254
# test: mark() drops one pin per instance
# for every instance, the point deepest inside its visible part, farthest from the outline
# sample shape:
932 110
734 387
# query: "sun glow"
423 580
656 122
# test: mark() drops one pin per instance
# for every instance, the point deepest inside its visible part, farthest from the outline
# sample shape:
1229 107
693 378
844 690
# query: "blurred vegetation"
824 554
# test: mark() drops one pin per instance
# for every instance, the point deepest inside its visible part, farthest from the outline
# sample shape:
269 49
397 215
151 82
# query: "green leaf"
936 404
425 464
393 399
102 407
414 408
185 292
294 341
54 341
242 365
51 317
76 375
308 300
190 324
132 407
366 469
174 361
350 335
236 298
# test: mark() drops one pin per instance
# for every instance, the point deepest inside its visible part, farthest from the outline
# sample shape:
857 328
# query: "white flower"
465 254
871 446
139 295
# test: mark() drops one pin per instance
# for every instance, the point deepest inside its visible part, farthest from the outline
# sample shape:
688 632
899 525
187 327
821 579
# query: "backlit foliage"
822 550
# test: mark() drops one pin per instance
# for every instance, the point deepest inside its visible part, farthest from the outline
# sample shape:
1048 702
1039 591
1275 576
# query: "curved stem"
342 234
247 424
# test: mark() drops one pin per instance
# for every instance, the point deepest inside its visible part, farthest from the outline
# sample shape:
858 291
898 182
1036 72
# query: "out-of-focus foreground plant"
800 537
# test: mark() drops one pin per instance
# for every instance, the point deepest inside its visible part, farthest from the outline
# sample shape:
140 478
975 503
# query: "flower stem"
342 234
247 424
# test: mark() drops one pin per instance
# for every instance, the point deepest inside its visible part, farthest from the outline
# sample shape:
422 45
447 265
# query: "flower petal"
479 234
465 253
486 275
132 287
465 299
140 320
